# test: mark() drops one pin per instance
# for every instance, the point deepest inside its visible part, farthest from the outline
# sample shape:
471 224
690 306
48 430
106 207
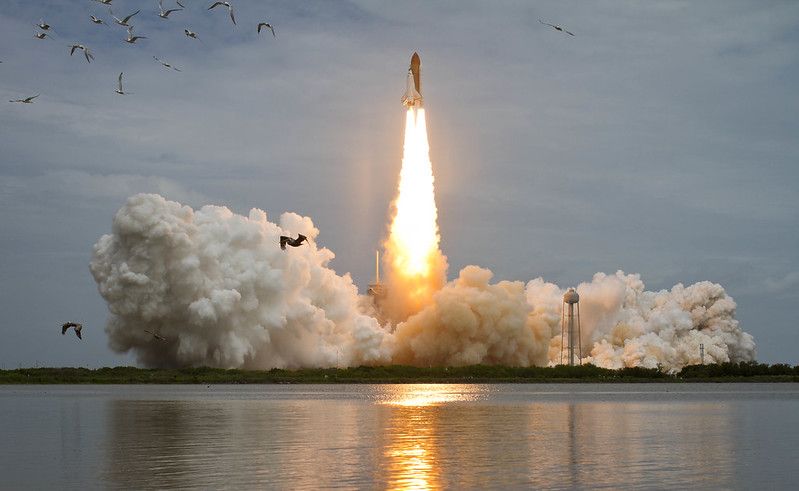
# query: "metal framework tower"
570 327
376 289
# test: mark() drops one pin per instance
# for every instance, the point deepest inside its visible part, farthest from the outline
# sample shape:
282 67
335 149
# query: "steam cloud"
217 286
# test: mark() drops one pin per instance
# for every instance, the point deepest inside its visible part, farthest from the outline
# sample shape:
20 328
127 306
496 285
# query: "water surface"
400 436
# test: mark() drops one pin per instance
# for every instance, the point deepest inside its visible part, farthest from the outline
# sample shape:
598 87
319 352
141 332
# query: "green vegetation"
726 372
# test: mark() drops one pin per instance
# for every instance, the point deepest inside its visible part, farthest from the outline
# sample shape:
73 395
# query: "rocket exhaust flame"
221 292
415 266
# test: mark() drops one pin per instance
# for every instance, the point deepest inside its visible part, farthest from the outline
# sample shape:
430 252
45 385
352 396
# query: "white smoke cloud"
625 326
217 286
471 321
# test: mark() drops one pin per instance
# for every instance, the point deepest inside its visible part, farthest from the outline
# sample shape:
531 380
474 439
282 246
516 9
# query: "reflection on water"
399 437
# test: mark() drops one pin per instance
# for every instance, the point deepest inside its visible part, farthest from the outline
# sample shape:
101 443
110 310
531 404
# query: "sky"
660 139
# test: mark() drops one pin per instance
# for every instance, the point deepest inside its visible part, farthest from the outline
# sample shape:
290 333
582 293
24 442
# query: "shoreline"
398 374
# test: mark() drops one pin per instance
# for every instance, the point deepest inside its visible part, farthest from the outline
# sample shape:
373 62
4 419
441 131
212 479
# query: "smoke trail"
415 266
217 286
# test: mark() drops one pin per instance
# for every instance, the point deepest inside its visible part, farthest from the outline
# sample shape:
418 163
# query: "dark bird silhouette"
97 20
43 25
27 100
155 335
229 9
284 240
268 26
168 65
65 327
557 28
41 35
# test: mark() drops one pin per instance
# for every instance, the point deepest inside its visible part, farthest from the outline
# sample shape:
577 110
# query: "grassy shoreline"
728 372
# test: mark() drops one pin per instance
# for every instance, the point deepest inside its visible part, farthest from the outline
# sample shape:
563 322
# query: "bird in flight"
41 35
104 2
119 90
229 9
284 240
65 327
191 34
43 25
27 100
168 65
89 56
164 14
97 20
131 38
155 335
268 26
123 22
557 28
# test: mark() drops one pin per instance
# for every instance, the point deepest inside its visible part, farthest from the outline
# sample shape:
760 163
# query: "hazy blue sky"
661 139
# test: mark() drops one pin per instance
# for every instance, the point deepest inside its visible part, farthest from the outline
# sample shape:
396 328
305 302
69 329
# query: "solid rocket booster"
413 88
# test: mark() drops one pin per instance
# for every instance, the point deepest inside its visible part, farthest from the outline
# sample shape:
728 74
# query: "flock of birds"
45 32
131 39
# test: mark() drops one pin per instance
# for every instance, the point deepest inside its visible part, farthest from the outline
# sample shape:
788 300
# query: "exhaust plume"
471 321
218 288
414 264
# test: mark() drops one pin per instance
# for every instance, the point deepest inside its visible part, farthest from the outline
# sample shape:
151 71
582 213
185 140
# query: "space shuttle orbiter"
413 89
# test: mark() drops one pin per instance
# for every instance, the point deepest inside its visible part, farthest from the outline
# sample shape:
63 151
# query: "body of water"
405 436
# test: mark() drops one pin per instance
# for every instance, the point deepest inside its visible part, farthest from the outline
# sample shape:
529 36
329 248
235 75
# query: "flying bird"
292 242
89 56
65 327
155 335
123 22
268 26
168 65
104 2
557 28
119 90
97 20
164 14
43 25
229 9
131 38
191 34
41 35
27 100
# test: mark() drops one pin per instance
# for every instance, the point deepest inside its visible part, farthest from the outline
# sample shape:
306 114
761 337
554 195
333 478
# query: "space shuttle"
413 88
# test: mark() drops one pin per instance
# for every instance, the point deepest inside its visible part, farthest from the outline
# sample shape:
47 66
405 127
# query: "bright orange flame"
416 267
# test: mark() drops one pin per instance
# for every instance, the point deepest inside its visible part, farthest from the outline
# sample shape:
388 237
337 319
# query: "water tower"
570 327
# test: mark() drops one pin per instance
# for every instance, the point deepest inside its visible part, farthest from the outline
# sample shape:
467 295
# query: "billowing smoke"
471 321
216 286
624 325
220 292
